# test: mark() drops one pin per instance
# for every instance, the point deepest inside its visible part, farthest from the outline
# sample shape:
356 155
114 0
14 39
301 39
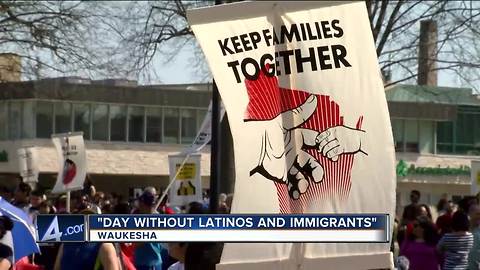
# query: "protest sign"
72 162
301 85
187 185
28 164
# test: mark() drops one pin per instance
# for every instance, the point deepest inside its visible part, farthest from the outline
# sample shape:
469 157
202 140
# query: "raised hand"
282 155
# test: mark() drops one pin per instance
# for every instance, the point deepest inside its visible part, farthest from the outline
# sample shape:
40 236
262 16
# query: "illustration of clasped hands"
283 157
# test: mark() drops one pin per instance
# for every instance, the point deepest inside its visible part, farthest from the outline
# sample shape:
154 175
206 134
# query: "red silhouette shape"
266 101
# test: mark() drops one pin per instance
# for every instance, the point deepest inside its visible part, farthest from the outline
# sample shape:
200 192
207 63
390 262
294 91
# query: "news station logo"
61 228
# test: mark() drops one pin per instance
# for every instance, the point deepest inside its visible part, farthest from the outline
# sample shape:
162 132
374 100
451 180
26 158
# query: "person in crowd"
86 255
420 247
116 198
165 208
201 255
456 245
229 201
79 202
195 208
88 187
401 263
107 207
442 206
177 251
206 199
127 250
46 208
444 221
410 211
423 210
474 255
394 246
222 204
420 210
5 193
98 199
61 204
21 196
6 253
152 190
48 251
37 197
148 255
465 203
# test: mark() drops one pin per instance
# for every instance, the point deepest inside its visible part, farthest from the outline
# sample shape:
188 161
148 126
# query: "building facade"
130 130
437 134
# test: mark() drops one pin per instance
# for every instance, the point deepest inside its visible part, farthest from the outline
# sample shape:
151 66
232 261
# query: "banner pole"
68 201
215 150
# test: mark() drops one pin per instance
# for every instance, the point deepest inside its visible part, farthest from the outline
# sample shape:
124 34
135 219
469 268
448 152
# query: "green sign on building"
403 169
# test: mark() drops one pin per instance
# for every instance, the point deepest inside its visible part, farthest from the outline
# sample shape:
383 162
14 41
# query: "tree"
394 24
158 29
395 28
66 38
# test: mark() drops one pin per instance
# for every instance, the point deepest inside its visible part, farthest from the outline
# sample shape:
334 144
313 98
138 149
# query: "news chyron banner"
251 228
301 85
185 172
475 175
28 164
72 162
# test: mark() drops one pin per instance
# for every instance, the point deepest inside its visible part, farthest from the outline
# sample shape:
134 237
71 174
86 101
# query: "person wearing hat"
148 255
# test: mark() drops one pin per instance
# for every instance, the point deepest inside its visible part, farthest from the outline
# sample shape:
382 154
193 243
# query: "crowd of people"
420 241
111 256
451 241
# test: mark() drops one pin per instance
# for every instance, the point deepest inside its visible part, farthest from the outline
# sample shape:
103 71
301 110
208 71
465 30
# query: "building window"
135 124
118 123
189 125
15 120
44 119
476 130
28 122
171 125
445 137
464 129
63 122
461 136
3 120
411 136
100 122
81 119
154 125
200 117
397 128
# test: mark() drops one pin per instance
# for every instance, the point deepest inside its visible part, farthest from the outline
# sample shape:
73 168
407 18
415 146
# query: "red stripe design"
266 101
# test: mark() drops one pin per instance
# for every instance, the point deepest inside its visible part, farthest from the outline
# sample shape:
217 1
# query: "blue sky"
170 73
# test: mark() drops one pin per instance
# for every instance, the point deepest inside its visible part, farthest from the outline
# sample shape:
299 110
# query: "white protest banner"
301 85
28 164
72 162
205 134
475 176
187 185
